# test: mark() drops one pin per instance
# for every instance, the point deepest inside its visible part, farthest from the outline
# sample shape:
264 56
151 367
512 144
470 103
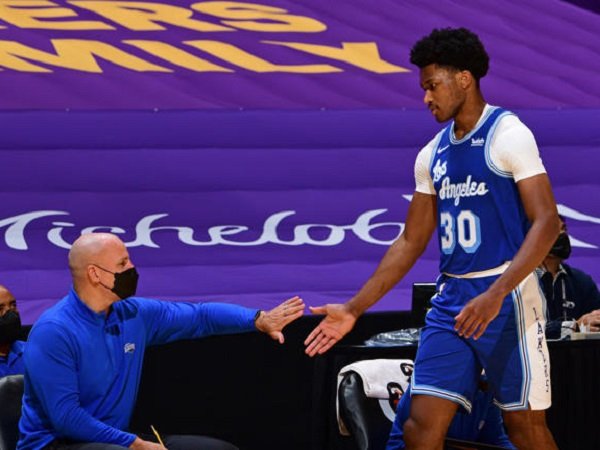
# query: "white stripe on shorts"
533 349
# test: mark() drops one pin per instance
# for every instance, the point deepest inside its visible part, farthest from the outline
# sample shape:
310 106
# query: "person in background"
84 355
572 296
11 348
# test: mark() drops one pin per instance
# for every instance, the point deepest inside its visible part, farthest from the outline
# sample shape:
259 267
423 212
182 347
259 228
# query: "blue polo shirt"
82 369
12 364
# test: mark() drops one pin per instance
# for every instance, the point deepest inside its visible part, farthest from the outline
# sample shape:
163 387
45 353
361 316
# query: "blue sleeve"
51 372
493 429
171 321
396 439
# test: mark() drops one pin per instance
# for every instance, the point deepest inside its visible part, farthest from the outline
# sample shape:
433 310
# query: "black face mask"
562 247
125 282
10 327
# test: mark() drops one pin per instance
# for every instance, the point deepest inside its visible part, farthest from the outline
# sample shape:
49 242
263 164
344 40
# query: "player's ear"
465 79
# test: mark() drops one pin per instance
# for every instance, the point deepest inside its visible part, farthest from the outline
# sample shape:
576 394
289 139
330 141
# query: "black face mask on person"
125 282
562 247
10 327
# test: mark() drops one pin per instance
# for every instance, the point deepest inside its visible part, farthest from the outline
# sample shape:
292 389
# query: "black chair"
11 395
362 415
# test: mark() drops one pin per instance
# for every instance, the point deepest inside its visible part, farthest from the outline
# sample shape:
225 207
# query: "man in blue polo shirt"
84 355
11 349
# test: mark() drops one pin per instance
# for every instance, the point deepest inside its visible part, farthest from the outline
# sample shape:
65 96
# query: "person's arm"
171 321
399 258
540 207
51 372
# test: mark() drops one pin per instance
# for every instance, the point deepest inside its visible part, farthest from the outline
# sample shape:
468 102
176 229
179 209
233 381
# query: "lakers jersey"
481 220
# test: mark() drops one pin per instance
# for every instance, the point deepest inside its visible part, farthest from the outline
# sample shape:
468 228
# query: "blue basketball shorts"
512 351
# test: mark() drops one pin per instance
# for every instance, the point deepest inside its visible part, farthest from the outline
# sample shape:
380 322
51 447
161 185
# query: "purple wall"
252 186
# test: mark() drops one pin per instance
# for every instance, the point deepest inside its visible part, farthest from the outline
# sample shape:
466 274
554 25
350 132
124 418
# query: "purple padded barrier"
203 198
252 186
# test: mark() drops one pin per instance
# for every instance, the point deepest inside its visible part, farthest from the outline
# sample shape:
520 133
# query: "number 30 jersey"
481 220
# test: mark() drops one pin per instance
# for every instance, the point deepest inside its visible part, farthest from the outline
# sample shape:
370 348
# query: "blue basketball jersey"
481 220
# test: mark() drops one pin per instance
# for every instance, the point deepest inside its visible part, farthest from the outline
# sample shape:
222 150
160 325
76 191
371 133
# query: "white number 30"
465 229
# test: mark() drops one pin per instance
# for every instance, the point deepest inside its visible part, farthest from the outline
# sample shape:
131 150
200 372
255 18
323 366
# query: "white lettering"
15 231
314 234
362 227
456 191
55 234
439 170
324 235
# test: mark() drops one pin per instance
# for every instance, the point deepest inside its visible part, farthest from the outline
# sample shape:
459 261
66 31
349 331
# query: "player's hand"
140 444
591 320
272 322
338 321
477 315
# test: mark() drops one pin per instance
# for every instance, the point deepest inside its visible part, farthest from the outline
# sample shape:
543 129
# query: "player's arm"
402 254
540 207
397 261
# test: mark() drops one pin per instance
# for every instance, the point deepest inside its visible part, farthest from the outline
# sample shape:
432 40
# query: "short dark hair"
452 47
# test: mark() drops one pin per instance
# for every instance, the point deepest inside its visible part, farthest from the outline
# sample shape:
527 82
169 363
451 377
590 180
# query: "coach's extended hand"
272 322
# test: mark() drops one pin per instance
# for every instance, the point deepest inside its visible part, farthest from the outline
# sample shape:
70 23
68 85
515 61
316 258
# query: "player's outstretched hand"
338 321
477 315
272 322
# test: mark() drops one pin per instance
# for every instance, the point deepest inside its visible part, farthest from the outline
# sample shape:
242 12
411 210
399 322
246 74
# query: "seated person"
84 355
11 349
484 424
571 295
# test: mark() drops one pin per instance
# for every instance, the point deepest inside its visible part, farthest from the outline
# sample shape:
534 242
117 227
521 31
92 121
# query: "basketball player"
481 182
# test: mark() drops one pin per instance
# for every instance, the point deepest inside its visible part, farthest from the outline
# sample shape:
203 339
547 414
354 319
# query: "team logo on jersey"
456 191
477 142
439 170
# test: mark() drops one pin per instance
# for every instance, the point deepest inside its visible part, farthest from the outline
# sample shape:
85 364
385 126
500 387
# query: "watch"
257 315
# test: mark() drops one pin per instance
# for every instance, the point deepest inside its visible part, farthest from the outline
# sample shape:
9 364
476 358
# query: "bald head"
88 247
95 261
103 249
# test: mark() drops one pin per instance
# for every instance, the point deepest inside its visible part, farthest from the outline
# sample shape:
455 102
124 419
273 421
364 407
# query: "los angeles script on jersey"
467 188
